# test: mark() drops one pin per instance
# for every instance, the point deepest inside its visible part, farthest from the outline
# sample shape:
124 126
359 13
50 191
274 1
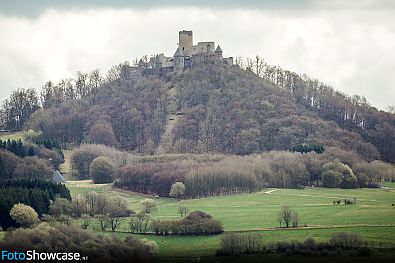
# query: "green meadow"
372 217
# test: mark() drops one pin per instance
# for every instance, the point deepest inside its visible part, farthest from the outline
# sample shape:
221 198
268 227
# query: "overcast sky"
347 44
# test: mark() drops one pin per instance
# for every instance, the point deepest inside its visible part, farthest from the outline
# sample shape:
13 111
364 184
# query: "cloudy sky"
347 44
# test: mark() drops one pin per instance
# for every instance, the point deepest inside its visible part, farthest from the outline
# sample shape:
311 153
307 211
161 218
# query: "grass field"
13 136
373 217
389 184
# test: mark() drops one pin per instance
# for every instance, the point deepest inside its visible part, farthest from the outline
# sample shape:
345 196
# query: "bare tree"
117 211
259 66
295 219
286 215
148 206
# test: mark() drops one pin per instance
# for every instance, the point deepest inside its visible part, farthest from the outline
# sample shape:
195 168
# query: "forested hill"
209 108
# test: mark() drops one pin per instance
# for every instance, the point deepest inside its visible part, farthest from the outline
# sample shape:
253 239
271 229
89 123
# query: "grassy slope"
13 136
257 212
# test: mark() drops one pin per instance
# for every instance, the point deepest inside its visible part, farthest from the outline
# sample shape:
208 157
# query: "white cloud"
349 49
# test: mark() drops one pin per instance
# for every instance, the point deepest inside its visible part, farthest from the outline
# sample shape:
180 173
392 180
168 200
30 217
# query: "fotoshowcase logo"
32 255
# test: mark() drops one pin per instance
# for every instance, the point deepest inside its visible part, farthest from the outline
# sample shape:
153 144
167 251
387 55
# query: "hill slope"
224 109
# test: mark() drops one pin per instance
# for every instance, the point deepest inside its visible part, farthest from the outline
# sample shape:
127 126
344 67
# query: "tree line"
339 243
17 148
209 175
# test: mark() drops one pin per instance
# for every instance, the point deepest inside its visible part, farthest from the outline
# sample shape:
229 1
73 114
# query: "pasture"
372 216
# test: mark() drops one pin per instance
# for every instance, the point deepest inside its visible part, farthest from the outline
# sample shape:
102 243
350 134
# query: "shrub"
236 244
204 227
149 247
101 170
197 216
196 223
345 240
24 215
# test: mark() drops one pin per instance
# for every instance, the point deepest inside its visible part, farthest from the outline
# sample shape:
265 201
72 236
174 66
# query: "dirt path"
270 191
166 140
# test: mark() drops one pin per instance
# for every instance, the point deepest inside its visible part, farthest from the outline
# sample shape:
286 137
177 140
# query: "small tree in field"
148 206
294 219
285 215
117 211
177 190
24 215
183 210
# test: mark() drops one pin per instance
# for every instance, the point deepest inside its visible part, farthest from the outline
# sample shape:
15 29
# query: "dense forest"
246 108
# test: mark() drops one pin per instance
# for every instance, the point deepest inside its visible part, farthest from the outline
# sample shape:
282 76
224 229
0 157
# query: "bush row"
187 227
252 243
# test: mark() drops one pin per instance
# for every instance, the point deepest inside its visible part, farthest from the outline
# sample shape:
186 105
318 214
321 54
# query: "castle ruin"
186 56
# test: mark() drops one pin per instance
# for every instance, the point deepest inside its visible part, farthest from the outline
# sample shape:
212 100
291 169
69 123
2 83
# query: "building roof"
178 53
57 177
218 49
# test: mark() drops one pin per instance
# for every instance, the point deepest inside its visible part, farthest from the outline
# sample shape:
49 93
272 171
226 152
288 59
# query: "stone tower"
178 61
185 41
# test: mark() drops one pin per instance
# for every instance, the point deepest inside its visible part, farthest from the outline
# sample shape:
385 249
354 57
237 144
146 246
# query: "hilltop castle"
186 56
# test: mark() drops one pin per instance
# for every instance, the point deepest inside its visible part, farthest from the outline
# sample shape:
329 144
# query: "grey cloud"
35 8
